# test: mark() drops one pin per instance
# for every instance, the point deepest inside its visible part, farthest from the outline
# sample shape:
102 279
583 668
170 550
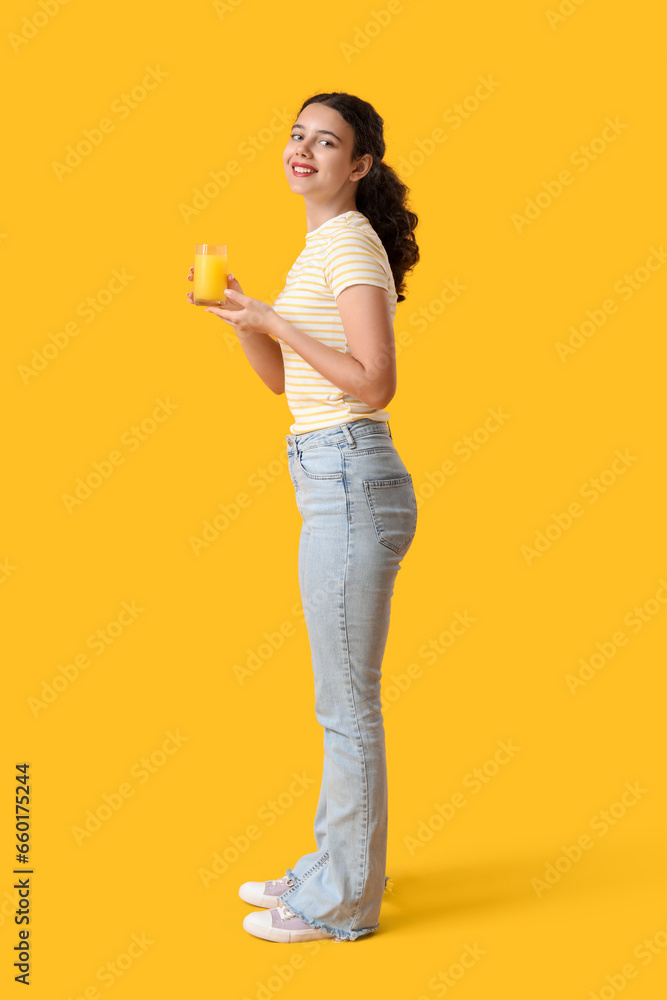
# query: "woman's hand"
245 314
231 281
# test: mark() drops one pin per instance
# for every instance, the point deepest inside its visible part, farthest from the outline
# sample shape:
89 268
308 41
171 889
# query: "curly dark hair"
381 194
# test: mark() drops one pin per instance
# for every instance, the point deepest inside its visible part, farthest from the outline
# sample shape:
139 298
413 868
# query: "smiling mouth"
302 171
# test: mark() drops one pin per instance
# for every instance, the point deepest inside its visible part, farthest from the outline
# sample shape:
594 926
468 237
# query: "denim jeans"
359 511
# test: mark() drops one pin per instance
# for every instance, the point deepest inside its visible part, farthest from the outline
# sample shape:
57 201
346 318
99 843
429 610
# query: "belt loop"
389 429
348 434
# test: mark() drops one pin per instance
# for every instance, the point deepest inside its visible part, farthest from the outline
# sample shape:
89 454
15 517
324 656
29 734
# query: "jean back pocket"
393 507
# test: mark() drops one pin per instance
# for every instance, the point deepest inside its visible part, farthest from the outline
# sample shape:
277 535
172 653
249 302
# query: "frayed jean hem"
335 932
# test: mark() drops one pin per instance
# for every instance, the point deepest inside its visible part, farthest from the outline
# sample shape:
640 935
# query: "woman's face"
323 139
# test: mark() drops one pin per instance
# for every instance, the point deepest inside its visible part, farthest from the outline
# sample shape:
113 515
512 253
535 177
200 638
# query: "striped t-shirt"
343 251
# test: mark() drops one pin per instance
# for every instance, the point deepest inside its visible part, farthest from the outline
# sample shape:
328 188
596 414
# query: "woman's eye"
295 135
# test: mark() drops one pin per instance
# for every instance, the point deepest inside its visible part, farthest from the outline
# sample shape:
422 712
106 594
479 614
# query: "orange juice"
210 274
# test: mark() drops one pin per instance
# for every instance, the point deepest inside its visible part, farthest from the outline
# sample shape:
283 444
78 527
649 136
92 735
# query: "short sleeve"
350 258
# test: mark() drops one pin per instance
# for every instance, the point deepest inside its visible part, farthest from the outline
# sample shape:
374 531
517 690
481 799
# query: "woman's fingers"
232 283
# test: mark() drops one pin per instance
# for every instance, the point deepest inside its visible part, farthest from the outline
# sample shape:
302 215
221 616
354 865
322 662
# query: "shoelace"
278 881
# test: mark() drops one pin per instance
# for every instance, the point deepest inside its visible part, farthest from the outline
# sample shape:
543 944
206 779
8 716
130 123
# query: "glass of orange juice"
210 274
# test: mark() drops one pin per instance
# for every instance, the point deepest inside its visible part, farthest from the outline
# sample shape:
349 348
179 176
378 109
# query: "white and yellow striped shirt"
343 251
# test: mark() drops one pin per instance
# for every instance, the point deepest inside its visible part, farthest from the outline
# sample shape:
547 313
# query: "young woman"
328 344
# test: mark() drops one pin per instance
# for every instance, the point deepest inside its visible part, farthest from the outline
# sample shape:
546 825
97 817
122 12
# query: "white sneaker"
265 893
280 924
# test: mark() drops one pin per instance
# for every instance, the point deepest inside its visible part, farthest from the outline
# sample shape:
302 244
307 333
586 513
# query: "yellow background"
229 71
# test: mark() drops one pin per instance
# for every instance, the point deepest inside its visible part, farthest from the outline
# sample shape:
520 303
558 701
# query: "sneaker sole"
277 934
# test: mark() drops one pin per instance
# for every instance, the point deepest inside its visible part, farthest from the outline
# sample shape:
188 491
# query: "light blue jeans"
359 512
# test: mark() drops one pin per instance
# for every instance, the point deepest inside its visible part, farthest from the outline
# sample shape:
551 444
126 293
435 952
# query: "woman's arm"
266 358
368 372
262 352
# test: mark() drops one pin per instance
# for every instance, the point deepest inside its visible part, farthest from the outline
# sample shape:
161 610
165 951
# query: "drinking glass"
210 274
